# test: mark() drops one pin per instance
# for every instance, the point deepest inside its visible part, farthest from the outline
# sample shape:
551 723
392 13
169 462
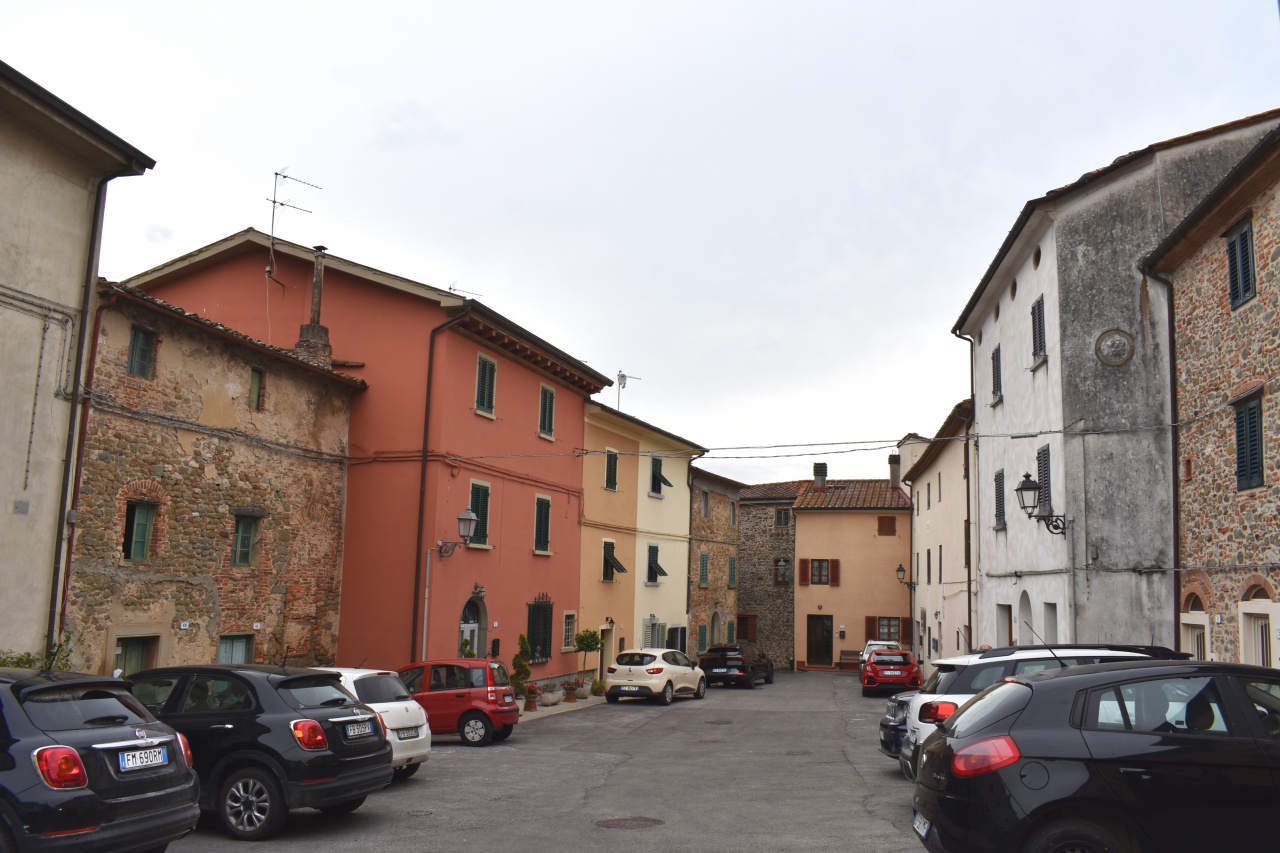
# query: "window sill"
650 583
704 586
482 413
1041 361
538 553
479 546
999 527
997 400
658 495
545 437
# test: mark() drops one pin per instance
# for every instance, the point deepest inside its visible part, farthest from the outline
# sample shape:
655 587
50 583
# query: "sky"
768 214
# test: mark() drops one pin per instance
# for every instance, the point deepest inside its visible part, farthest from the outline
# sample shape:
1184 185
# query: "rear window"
310 691
635 659
76 707
499 674
988 707
890 659
941 680
380 688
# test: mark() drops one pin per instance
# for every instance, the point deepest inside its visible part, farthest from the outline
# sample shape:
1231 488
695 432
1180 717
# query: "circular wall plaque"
1114 347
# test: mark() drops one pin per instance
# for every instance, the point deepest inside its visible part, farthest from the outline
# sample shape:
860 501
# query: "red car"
890 669
470 696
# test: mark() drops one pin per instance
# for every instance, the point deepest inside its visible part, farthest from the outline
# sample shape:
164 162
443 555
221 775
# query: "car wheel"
668 693
344 807
250 804
402 773
611 698
476 730
750 681
6 843
768 676
1074 836
701 692
503 733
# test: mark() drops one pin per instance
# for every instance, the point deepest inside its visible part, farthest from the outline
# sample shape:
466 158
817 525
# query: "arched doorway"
715 629
472 631
1026 636
1195 628
1255 627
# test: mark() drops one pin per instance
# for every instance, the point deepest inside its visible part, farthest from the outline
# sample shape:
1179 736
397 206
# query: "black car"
893 725
84 767
1151 756
267 739
742 663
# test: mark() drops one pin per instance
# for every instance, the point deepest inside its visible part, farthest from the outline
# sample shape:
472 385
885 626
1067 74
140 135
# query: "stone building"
766 567
1220 265
713 562
212 496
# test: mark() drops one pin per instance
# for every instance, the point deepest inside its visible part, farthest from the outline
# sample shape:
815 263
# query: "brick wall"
773 604
716 537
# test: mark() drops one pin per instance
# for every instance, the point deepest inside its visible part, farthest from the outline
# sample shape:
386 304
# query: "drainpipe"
970 540
1175 445
420 582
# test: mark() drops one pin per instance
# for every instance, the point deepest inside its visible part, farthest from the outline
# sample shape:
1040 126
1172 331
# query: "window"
703 572
704 504
486 374
939 487
885 628
235 648
733 513
819 571
139 520
611 563
570 630
887 525
729 631
244 541
1045 505
656 480
1037 330
702 638
142 352
781 571
611 470
547 412
1249 472
999 500
916 501
733 571
1166 706
928 567
782 517
746 627
255 389
655 570
480 506
134 654
997 383
939 564
542 525
539 633
928 495
1240 280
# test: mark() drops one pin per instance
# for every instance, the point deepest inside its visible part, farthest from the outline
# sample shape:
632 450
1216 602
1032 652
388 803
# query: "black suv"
1142 755
84 767
267 739
742 663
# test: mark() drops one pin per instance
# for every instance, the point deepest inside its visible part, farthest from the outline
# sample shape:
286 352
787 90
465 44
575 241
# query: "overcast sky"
770 212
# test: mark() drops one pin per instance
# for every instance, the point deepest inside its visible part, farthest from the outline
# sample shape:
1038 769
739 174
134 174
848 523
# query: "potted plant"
520 671
531 696
597 687
550 695
571 687
586 642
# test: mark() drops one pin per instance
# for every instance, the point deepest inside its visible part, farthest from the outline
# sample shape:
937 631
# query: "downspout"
911 566
1176 482
70 470
969 538
420 582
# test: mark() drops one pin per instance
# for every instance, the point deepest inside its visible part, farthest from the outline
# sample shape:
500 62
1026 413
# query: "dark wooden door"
820 637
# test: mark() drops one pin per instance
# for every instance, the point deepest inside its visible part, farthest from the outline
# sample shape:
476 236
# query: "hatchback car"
267 739
875 645
403 719
658 674
1135 756
742 664
470 696
84 767
889 669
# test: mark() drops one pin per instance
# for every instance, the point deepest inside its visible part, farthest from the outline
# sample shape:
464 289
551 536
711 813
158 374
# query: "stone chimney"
895 471
313 338
819 476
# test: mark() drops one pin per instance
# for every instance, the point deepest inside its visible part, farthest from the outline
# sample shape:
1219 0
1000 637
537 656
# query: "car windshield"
891 659
634 659
79 706
991 705
381 688
311 691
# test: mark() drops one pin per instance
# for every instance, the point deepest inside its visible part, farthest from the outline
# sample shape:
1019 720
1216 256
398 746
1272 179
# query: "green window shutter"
657 480
702 638
480 506
542 525
547 412
1240 279
729 630
702 570
1045 505
486 374
139 521
607 569
655 571
1037 328
610 470
999 502
246 530
733 571
142 347
997 381
1249 469
255 388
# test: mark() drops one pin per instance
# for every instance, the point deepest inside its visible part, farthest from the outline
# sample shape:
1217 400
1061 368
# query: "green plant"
597 687
532 689
520 671
464 648
571 684
586 642
57 658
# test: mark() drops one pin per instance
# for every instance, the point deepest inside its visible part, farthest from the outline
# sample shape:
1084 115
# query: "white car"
876 645
660 674
955 680
402 717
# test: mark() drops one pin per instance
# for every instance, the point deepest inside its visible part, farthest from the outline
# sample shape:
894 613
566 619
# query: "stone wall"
714 605
773 604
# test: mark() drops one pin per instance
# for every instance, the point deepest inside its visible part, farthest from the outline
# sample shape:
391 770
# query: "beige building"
55 163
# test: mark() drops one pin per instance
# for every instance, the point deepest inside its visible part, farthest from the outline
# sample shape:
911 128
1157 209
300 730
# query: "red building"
464 409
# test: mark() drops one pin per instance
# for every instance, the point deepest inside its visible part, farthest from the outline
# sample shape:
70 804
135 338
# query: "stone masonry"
763 544
713 606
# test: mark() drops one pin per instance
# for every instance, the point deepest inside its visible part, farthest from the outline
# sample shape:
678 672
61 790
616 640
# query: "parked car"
955 679
893 725
742 664
85 767
659 674
267 739
889 669
873 645
1136 756
403 719
470 696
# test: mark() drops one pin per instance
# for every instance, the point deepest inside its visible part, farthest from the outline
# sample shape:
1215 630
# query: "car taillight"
936 712
654 670
186 749
612 669
61 767
309 734
985 756
382 722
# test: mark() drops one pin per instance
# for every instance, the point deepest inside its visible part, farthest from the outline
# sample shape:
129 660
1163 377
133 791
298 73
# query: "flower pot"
548 697
583 692
570 696
531 703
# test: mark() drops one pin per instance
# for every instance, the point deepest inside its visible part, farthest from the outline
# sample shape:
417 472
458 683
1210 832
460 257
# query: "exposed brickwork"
186 442
715 604
762 545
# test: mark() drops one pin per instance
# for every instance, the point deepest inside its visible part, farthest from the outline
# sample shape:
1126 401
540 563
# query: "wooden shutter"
1249 445
834 578
480 506
1045 504
542 525
873 628
804 572
547 412
904 631
999 499
1037 328
610 470
997 383
1240 266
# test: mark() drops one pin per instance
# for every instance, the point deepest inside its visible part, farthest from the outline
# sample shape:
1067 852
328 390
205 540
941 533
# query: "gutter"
969 539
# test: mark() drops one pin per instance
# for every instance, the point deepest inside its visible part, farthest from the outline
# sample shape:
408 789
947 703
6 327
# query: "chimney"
895 471
819 476
313 338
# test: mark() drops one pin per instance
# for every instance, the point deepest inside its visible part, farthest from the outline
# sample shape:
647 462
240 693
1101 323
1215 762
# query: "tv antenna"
276 204
453 288
622 383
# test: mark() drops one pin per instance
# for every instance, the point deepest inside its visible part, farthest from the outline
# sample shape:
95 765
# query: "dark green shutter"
141 352
1000 499
1045 505
997 383
486 374
702 569
1249 472
547 412
655 571
1037 328
480 506
1240 283
610 470
733 571
542 526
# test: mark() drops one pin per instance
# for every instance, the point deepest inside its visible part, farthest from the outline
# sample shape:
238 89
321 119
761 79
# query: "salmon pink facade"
464 409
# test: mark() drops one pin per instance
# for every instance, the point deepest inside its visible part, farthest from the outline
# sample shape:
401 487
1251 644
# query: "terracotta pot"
530 703
570 696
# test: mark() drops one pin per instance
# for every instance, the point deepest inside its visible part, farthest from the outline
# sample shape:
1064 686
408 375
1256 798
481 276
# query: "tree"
586 641
520 671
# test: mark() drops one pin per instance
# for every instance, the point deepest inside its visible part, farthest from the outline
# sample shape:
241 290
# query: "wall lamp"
477 590
902 578
466 529
1029 499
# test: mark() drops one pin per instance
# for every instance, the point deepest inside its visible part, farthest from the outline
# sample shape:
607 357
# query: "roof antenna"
284 663
276 204
622 383
1043 643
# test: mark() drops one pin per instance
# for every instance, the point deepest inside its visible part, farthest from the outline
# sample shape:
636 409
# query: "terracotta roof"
852 494
774 491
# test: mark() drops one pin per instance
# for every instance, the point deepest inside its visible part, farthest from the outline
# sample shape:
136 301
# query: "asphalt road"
791 766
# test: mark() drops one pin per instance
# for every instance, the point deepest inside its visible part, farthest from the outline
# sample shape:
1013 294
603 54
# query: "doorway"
471 629
820 640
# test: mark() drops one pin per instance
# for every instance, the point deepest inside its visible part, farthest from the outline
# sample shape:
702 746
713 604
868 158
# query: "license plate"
357 729
720 669
407 734
628 687
892 672
140 758
921 825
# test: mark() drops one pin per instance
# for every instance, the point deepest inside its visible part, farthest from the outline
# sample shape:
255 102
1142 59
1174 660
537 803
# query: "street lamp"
1028 492
902 575
466 529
